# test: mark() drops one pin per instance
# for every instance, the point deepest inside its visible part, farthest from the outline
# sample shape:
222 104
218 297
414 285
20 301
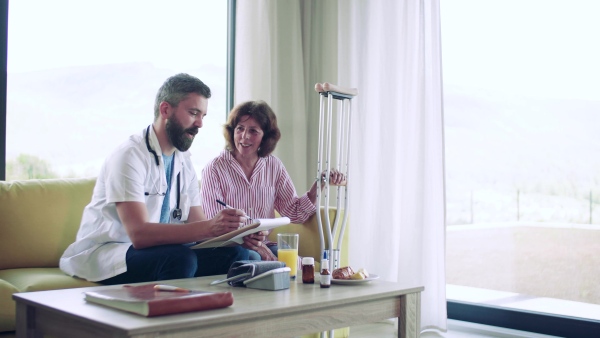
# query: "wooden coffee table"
301 309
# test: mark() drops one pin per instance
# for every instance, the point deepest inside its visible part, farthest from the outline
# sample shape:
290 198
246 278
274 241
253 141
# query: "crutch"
329 92
343 129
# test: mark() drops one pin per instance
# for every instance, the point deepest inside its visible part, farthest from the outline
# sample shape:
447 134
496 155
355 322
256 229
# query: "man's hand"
255 240
226 221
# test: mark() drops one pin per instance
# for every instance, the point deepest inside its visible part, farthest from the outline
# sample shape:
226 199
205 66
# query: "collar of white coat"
155 145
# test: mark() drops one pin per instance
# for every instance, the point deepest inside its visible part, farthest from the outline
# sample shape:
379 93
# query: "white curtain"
392 54
282 49
390 51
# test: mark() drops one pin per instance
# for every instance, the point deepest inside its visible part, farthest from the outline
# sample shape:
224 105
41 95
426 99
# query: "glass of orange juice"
287 251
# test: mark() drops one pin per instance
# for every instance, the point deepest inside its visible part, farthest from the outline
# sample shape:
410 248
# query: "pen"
230 207
224 204
161 287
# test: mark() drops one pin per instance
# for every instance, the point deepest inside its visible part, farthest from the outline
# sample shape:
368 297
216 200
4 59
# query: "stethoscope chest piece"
177 214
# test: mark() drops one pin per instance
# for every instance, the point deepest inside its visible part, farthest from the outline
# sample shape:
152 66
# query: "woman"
246 176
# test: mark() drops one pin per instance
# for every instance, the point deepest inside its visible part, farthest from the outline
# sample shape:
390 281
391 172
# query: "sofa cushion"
30 279
40 218
42 279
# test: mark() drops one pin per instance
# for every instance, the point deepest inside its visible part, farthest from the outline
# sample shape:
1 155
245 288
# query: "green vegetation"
26 167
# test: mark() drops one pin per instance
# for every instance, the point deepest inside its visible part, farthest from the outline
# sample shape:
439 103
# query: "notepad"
236 236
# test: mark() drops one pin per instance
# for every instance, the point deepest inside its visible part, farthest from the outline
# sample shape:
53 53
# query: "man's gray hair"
176 88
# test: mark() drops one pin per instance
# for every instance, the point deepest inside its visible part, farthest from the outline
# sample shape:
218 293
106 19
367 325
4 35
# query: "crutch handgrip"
328 87
341 184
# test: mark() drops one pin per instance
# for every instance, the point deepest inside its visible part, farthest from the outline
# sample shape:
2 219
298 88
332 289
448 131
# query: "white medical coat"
128 174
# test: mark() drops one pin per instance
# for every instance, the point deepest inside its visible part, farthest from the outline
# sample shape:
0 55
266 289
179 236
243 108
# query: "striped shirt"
270 188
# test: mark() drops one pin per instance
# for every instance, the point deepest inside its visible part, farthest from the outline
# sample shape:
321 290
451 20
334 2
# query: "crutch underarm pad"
328 87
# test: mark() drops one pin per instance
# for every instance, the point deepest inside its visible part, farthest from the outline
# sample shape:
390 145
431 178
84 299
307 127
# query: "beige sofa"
40 218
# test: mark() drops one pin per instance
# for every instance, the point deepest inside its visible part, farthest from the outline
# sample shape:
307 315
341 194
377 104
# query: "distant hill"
499 146
515 140
73 117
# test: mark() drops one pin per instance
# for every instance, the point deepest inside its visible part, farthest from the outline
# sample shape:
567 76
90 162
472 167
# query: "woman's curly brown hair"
264 116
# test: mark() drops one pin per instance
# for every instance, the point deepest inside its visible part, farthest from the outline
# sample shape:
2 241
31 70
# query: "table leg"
26 322
409 321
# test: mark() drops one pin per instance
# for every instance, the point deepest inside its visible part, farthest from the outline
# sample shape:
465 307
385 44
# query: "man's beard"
179 136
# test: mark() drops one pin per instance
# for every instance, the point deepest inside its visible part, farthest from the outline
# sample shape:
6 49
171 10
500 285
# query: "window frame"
231 6
3 79
523 320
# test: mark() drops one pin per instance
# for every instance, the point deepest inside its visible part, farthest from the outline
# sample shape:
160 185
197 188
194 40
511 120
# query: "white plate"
371 277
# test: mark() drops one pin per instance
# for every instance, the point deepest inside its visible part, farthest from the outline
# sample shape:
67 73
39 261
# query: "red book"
147 301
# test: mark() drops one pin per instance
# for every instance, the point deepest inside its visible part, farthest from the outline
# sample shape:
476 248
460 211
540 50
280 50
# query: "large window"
82 77
522 117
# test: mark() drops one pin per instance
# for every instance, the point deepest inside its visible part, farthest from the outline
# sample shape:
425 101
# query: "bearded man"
145 211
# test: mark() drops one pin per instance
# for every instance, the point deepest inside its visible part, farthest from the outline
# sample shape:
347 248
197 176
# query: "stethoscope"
177 211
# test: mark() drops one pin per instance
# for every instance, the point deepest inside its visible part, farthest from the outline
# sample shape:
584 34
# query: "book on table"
147 301
236 236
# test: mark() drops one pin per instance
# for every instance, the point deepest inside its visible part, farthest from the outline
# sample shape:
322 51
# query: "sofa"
40 218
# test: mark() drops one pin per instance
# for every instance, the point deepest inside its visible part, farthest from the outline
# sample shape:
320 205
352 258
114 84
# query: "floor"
456 329
533 264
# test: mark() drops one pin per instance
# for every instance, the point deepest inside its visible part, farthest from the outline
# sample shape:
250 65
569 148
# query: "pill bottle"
308 270
325 274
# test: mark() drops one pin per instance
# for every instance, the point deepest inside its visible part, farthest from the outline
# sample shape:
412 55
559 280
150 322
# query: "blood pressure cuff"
248 269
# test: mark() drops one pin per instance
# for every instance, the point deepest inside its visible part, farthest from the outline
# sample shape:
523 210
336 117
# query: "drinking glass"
288 251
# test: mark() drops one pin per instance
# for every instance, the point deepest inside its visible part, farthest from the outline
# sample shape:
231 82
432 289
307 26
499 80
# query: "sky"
521 100
532 48
95 66
63 33
543 48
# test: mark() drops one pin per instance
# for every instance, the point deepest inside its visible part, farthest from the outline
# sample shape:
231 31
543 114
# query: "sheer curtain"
282 49
390 51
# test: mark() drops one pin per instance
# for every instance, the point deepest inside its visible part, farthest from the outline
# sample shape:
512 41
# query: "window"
82 77
521 103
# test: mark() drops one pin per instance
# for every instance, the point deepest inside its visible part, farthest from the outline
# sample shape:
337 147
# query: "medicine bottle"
325 274
308 270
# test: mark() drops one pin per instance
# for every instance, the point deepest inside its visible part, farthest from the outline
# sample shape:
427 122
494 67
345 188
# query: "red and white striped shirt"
270 188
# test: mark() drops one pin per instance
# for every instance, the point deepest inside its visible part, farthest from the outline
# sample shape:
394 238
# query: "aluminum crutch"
343 133
329 92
